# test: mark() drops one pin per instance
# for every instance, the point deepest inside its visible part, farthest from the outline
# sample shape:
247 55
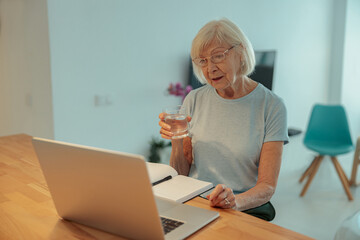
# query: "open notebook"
168 184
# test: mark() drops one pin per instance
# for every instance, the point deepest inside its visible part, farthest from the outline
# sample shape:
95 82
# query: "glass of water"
175 116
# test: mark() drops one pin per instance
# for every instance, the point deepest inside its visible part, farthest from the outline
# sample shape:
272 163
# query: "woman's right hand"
165 130
181 153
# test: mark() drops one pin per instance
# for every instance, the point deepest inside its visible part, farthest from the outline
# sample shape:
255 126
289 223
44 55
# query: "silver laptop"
111 191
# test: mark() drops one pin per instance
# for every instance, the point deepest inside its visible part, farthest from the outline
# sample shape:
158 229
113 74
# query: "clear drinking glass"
175 116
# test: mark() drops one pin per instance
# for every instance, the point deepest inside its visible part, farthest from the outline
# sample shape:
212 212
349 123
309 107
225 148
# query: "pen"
162 180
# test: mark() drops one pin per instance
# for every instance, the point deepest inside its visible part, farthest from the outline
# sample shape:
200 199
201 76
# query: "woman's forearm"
178 159
254 197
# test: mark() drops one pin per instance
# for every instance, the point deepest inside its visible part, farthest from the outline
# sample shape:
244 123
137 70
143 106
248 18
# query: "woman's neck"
240 88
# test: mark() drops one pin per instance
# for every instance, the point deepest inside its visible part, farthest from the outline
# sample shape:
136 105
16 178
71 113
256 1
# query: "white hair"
223 31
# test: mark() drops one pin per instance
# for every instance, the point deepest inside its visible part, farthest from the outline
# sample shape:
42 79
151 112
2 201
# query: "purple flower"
188 89
179 90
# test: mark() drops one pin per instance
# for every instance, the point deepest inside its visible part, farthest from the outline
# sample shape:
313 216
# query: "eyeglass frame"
206 58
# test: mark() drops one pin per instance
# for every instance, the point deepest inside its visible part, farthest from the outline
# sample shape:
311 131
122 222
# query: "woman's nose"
212 67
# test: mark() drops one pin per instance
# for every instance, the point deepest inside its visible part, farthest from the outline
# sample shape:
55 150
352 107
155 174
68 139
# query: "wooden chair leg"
355 164
312 174
309 169
342 177
343 173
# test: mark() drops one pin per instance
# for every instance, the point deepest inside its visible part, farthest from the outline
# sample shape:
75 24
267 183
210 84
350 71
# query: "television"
263 73
264 68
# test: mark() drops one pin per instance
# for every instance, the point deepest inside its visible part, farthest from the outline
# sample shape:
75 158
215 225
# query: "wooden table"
27 211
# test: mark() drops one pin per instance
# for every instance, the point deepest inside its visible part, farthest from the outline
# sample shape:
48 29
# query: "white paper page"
158 171
181 188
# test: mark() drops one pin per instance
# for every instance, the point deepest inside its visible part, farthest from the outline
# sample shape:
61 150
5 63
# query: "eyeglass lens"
215 58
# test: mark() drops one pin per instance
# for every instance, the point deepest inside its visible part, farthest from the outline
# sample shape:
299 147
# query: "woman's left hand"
222 197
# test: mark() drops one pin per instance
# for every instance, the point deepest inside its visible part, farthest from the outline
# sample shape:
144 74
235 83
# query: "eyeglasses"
215 58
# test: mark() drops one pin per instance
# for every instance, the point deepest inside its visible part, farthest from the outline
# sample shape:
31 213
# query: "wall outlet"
102 100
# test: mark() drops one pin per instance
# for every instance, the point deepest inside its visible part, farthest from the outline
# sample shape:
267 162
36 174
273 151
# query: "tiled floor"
325 206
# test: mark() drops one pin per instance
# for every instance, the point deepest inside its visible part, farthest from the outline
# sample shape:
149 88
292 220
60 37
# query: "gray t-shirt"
228 134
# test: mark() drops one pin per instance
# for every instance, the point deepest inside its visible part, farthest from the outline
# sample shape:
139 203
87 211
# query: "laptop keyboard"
169 224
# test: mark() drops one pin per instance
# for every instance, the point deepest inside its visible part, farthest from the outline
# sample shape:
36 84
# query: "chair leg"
342 177
309 169
343 173
312 174
355 163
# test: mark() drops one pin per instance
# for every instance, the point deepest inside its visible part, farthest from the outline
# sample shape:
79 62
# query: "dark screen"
264 68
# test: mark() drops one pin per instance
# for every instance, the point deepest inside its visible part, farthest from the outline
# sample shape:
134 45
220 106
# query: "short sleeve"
276 123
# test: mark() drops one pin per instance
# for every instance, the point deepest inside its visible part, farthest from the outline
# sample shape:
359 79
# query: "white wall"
337 56
129 51
351 67
25 85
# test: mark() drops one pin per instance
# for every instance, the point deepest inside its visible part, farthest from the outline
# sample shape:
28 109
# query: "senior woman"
237 126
